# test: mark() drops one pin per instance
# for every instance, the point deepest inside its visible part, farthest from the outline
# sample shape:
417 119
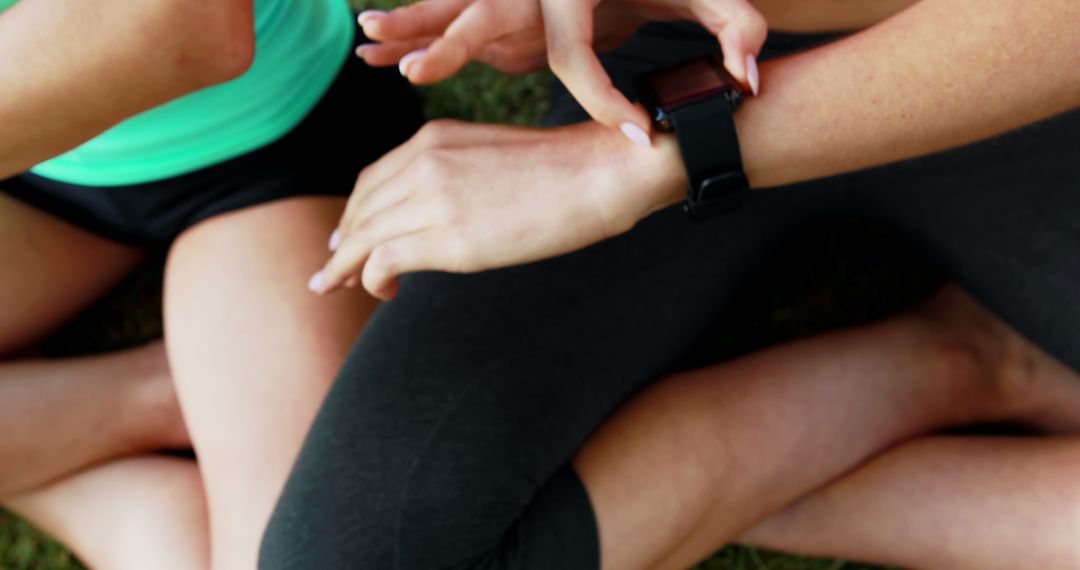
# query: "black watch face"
689 81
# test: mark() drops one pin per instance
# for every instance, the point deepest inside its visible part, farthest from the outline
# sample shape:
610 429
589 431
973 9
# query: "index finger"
478 26
569 29
427 18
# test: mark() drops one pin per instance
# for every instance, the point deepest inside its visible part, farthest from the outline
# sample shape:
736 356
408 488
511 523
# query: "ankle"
977 348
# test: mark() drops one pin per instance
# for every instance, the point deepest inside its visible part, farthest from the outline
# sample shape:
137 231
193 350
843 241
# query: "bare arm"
73 68
941 74
938 75
827 15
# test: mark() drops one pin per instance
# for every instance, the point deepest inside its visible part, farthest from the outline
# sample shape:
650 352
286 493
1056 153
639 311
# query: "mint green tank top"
301 46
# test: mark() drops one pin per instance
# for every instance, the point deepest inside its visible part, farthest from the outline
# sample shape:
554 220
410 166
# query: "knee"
318 523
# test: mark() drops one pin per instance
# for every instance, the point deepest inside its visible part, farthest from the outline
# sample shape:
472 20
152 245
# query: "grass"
23 548
829 276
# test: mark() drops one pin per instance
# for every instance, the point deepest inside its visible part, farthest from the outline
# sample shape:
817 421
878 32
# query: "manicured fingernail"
317 282
752 75
403 65
635 134
335 240
367 15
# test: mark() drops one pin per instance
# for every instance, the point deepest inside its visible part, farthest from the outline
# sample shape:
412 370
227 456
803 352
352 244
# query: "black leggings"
446 439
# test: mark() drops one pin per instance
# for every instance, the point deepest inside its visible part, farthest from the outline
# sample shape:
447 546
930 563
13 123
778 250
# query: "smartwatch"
697 100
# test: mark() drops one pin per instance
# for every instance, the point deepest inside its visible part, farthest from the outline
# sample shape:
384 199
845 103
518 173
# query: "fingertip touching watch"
697 100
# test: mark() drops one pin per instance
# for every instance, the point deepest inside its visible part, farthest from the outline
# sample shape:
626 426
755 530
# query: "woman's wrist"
672 181
649 178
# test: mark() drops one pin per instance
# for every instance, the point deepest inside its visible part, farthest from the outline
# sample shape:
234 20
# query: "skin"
46 298
253 354
827 15
963 503
992 504
458 31
61 416
89 390
862 398
54 50
258 384
758 157
680 471
827 95
152 504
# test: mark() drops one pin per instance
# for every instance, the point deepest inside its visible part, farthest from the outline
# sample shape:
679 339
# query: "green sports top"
301 46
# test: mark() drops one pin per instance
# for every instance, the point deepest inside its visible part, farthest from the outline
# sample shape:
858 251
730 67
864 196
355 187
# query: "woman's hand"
433 39
460 197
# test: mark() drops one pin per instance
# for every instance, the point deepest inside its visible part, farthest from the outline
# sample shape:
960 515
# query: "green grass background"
830 275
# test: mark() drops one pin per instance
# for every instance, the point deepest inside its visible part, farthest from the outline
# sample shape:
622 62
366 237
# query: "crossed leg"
700 458
62 416
959 502
59 416
253 353
129 514
945 502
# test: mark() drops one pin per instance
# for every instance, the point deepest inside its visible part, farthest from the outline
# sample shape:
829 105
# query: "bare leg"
60 416
131 514
253 353
696 460
956 503
52 271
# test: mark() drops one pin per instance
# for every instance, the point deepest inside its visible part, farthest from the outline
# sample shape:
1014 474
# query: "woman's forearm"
941 74
72 68
827 15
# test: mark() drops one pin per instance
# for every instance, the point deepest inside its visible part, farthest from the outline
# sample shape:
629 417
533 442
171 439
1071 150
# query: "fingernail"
635 134
752 75
360 51
335 240
367 15
403 65
317 282
352 282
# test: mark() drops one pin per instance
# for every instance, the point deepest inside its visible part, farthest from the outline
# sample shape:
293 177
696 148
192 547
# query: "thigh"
468 394
156 513
1000 218
969 502
253 352
445 440
51 271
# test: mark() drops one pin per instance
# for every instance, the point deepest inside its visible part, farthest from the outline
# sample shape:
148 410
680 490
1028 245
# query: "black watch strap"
710 150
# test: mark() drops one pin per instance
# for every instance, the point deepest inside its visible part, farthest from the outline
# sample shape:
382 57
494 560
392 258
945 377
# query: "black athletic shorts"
364 114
